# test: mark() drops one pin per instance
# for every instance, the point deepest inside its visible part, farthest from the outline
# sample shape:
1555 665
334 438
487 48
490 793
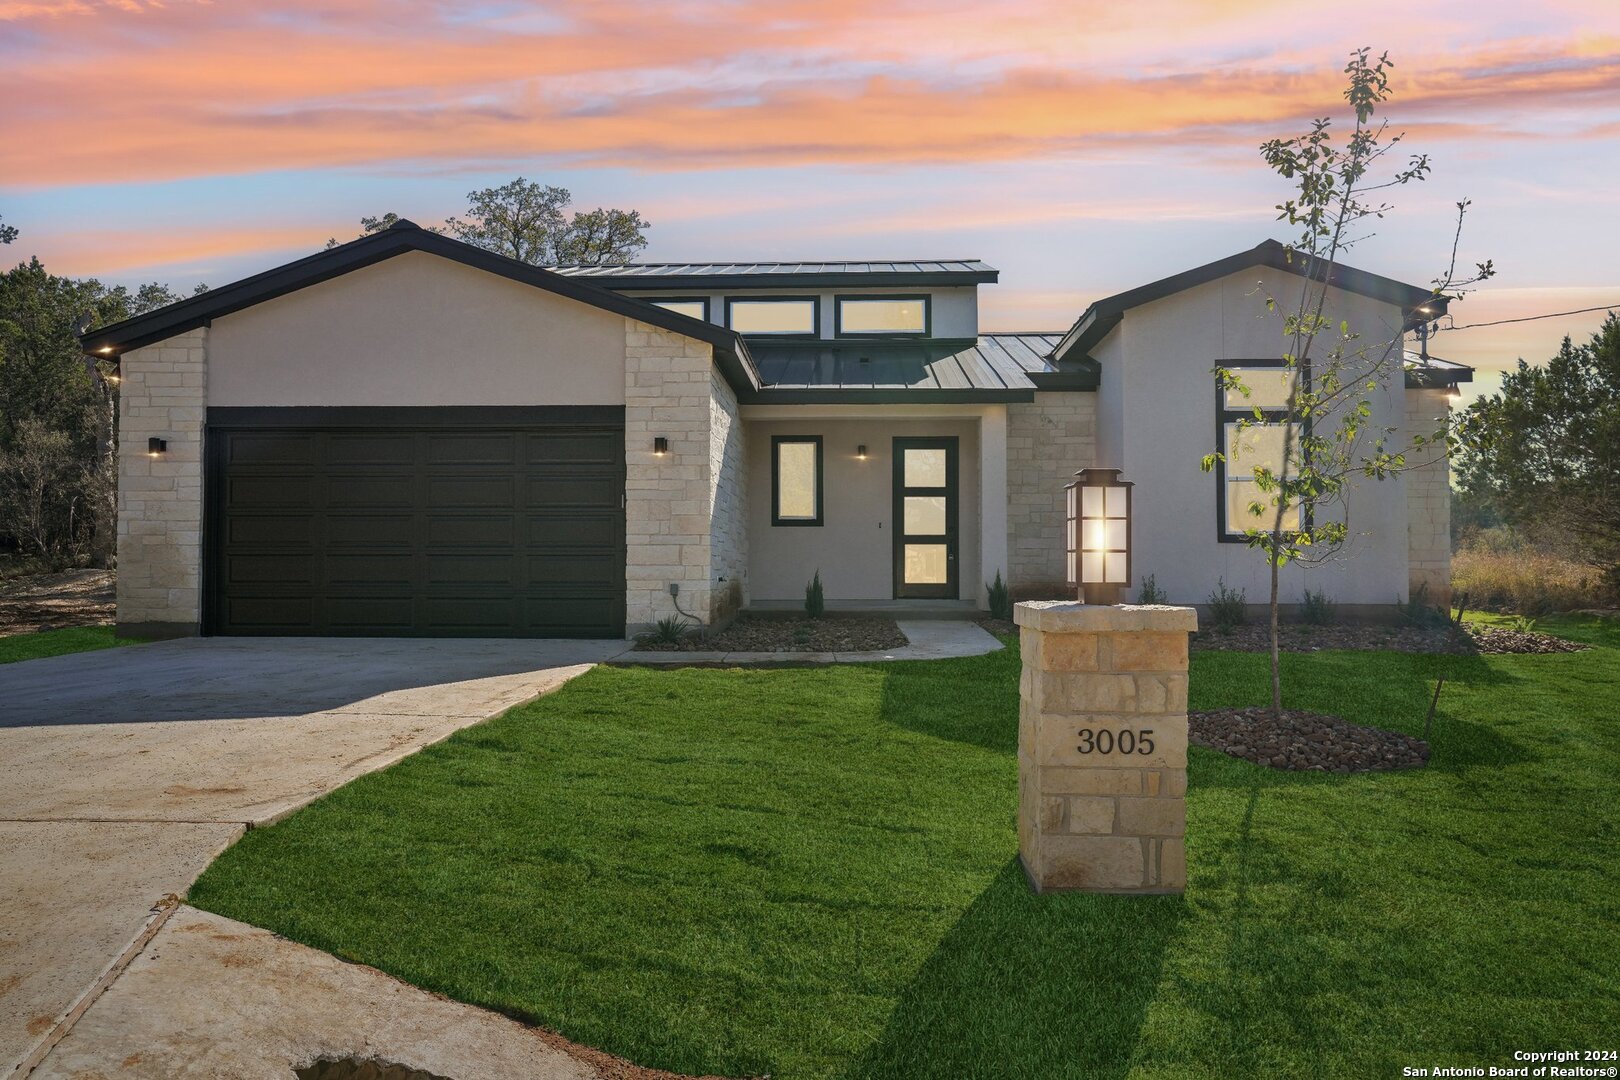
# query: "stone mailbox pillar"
1102 746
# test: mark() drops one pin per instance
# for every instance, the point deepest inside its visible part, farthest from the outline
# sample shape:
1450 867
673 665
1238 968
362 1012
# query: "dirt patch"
1303 638
1304 741
756 633
54 601
998 627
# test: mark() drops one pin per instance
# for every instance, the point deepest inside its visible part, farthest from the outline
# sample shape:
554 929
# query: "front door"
925 532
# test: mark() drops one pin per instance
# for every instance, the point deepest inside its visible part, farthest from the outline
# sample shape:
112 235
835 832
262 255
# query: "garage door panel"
472 530
345 449
374 490
472 448
371 531
435 530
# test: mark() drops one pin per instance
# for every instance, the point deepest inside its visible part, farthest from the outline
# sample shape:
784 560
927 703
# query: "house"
409 435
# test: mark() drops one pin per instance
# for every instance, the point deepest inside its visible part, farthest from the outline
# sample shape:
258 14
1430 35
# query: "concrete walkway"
927 639
127 771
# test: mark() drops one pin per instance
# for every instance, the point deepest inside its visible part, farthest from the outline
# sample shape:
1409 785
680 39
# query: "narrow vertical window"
1251 442
796 480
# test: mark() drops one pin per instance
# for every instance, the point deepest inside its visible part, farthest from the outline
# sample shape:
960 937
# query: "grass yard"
14 647
811 873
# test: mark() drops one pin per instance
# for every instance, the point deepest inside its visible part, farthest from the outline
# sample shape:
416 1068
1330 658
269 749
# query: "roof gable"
402 237
1101 317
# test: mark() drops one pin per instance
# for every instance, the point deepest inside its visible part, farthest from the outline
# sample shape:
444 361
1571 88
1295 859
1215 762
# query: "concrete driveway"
123 773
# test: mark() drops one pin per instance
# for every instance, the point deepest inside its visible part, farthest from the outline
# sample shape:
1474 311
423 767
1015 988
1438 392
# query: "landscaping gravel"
754 633
1304 741
1300 637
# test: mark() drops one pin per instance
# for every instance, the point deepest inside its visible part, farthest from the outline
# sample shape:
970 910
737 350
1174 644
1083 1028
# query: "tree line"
58 406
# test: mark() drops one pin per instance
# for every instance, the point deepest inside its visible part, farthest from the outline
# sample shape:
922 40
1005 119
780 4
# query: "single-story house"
408 435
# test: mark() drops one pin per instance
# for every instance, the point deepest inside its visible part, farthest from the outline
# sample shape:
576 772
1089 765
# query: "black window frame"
928 316
777 520
704 300
1226 415
815 316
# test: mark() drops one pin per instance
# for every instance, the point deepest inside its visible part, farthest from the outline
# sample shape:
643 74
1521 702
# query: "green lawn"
33 646
810 873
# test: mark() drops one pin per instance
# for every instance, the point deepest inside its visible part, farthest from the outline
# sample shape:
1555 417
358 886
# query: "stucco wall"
1048 441
1168 397
1428 498
417 330
853 549
161 394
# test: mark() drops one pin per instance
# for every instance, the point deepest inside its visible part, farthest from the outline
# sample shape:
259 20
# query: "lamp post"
1099 535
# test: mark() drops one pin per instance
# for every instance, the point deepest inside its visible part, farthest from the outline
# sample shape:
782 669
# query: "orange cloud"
122 252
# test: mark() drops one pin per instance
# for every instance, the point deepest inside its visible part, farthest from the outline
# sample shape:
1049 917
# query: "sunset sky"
1082 148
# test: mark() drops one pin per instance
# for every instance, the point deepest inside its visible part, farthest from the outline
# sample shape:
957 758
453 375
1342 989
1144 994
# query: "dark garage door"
416 522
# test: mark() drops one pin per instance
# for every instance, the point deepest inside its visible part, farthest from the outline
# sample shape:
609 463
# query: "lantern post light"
1098 535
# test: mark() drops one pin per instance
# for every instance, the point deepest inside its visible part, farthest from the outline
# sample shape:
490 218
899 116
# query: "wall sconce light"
155 446
860 451
660 446
1099 535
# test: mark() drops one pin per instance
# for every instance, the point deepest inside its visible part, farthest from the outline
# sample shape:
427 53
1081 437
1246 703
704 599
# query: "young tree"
8 233
1547 448
1330 434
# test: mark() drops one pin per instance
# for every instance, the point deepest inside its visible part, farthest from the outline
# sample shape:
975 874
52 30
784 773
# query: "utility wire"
1527 318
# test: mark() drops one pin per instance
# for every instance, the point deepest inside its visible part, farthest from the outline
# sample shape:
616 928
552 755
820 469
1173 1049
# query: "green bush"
1317 609
815 601
1000 598
1150 592
1419 611
1228 608
670 630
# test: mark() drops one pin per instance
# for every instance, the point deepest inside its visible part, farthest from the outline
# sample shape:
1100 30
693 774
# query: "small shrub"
815 601
1150 593
1228 608
670 630
1524 624
1420 612
1000 598
1317 609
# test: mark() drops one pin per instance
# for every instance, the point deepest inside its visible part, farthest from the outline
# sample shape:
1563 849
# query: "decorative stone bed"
1304 741
764 633
1299 637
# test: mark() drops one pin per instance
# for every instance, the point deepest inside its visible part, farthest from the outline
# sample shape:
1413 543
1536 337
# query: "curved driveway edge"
128 770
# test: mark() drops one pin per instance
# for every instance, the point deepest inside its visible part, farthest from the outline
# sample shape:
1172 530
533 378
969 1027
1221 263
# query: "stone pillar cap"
1070 617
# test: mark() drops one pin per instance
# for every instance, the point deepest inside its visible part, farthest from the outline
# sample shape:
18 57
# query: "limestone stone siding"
1048 441
670 501
1102 746
728 483
1428 499
162 393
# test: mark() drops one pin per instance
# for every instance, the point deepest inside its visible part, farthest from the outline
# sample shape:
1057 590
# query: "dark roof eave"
1088 378
1432 378
114 340
1098 320
722 282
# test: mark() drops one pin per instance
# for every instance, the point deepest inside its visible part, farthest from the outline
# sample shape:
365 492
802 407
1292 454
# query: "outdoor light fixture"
155 446
1099 535
660 446
860 451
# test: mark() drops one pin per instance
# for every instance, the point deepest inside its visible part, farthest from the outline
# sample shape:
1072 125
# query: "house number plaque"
1127 741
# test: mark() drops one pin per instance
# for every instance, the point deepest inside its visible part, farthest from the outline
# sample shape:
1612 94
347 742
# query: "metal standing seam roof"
744 269
998 363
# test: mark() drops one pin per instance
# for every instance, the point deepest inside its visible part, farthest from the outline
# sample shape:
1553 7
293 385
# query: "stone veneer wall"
728 484
1428 500
670 501
1048 441
162 392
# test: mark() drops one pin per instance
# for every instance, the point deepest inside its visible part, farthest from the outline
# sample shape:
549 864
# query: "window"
796 480
1251 443
774 315
864 315
694 307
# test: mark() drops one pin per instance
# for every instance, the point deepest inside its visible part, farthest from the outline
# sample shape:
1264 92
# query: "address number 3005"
1128 741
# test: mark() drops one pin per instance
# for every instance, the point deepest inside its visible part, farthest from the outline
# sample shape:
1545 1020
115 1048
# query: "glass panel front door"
925 525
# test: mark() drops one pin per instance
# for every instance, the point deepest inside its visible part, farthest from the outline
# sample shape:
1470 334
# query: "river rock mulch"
1304 741
754 633
1300 637
998 627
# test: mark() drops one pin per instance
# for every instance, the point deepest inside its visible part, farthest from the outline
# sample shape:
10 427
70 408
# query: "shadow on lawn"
1024 982
980 710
